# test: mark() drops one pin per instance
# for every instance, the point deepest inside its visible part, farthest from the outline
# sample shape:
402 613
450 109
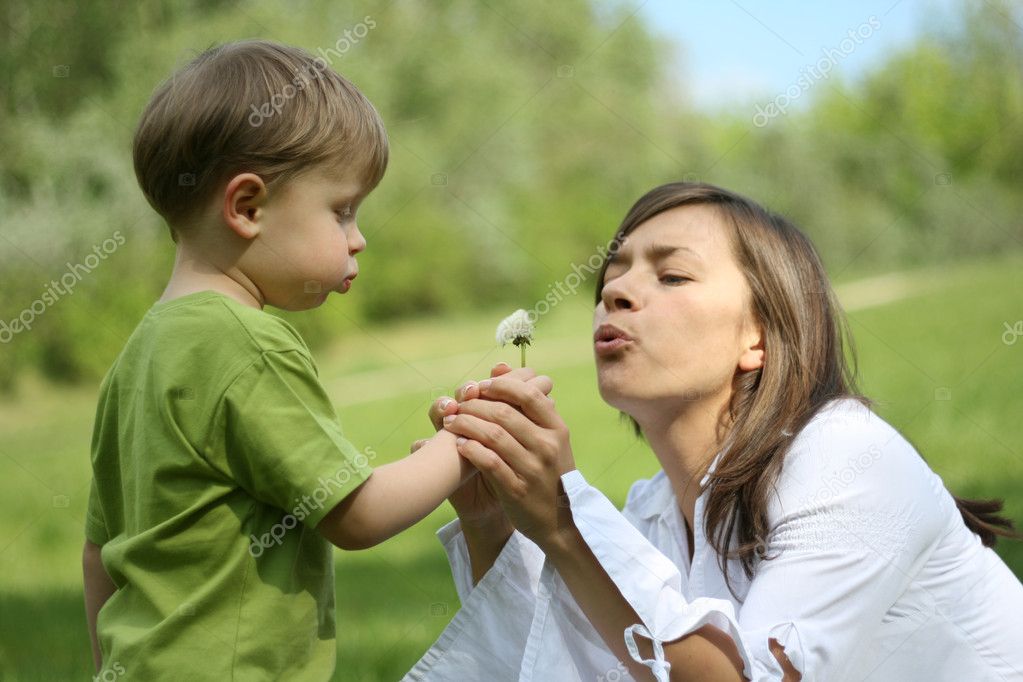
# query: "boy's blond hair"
251 106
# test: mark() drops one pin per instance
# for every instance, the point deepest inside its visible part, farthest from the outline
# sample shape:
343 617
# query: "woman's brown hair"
805 337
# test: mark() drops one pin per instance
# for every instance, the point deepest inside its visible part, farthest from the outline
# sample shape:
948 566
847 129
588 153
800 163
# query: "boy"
220 471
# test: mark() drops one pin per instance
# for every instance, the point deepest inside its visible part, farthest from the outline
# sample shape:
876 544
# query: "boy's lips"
346 283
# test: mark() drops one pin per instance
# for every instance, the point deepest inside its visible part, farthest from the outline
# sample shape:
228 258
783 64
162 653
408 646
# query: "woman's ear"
244 203
753 351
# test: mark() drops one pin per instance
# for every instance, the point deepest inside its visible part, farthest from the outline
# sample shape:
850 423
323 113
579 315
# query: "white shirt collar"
659 497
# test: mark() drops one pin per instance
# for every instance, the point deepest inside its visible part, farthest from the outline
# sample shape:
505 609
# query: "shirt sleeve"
647 579
95 526
283 441
857 515
487 637
838 561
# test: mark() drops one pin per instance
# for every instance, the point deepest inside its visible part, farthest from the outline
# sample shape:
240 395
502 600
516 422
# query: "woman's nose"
616 297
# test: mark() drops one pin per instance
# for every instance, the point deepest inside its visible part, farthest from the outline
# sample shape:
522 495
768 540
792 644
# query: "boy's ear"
244 202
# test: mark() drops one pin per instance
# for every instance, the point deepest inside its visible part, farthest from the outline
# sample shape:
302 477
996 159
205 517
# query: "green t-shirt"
215 453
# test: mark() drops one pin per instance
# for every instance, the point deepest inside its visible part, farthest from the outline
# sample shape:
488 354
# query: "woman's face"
676 299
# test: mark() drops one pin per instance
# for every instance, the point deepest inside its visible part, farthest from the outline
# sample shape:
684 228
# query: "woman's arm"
534 451
533 504
98 588
706 654
484 525
838 560
484 544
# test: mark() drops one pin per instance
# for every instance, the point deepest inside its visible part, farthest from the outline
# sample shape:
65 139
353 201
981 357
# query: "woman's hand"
520 444
474 502
484 524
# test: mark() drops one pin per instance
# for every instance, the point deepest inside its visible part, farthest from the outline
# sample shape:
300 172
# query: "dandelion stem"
522 349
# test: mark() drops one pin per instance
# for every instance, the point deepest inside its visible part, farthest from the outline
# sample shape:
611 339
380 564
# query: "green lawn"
935 362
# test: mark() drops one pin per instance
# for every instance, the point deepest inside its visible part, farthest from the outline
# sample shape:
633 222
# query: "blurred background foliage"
521 132
516 148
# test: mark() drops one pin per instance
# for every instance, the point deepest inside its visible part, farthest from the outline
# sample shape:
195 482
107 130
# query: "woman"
792 533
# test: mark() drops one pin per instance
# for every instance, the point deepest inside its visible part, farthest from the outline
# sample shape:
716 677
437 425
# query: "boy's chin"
314 298
304 301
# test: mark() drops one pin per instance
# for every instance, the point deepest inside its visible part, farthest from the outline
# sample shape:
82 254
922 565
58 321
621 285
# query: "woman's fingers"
507 417
445 406
495 471
470 389
528 397
500 369
441 406
467 391
494 437
527 375
544 383
418 444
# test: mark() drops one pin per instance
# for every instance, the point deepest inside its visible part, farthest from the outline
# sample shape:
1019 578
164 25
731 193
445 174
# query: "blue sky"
751 50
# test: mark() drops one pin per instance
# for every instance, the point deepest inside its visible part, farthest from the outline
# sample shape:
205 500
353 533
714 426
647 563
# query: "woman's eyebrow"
655 252
661 251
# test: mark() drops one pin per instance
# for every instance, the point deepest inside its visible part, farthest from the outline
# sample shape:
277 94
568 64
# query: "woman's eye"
674 279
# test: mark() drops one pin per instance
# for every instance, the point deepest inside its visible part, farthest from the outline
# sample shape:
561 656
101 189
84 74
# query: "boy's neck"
193 274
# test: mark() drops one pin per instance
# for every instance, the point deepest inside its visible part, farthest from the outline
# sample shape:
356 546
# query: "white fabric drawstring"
658 666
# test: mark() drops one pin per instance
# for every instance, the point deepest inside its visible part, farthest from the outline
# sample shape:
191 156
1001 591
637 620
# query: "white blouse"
874 576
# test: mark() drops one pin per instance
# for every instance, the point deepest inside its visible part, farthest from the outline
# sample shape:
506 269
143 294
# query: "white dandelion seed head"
517 328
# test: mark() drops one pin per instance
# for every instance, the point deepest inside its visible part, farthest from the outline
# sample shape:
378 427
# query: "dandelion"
517 328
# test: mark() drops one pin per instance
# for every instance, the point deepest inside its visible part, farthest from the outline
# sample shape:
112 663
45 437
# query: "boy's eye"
344 214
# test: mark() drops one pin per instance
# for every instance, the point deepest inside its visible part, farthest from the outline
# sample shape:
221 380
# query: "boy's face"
308 240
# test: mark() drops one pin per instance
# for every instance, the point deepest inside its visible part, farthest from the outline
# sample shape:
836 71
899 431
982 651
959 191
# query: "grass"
934 361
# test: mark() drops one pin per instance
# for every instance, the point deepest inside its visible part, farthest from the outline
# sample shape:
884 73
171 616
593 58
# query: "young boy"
220 472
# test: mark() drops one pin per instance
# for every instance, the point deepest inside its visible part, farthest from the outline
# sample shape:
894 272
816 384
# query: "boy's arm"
402 493
98 588
397 495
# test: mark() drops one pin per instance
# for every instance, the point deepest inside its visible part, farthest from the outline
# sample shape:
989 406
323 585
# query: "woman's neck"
685 444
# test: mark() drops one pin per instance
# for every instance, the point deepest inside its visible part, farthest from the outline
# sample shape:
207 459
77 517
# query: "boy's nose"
357 242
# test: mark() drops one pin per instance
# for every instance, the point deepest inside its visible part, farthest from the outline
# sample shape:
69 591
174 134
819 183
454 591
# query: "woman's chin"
615 390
